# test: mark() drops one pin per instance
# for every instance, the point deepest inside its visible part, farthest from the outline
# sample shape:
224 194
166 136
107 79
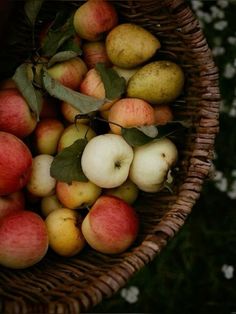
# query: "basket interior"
65 285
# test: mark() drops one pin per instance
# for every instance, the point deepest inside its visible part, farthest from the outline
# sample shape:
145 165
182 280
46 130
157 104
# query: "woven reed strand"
59 285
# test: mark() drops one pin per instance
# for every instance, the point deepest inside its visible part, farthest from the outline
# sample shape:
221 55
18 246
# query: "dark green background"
187 277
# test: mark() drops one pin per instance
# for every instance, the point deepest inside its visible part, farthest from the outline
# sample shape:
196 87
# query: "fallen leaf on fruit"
138 136
83 103
32 8
58 35
61 56
113 83
66 166
31 94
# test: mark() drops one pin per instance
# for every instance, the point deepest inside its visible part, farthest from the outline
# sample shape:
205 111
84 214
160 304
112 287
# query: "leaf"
138 136
113 83
57 37
135 137
149 130
30 93
66 166
83 103
71 45
32 8
61 56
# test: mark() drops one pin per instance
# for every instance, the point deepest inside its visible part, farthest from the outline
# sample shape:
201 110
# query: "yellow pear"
158 82
129 45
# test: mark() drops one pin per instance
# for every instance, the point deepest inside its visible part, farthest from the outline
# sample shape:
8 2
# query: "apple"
11 202
163 114
111 225
94 18
130 112
15 163
151 164
15 114
74 132
64 231
48 204
47 135
95 52
106 160
69 112
128 192
69 73
23 239
40 182
92 85
77 194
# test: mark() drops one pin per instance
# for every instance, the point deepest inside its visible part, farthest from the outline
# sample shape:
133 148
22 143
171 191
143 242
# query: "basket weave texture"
59 285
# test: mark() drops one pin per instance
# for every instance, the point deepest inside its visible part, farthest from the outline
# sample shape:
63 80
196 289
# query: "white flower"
218 51
233 173
231 40
218 175
222 3
228 271
196 4
221 25
222 185
232 112
216 12
229 71
232 192
130 294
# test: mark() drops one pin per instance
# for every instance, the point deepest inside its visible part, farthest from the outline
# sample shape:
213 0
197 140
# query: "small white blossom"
218 51
231 40
232 192
221 25
218 175
222 185
232 112
233 173
228 271
222 3
130 294
216 12
196 4
229 71
223 107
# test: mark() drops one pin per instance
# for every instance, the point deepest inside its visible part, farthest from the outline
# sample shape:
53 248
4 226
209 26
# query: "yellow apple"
48 204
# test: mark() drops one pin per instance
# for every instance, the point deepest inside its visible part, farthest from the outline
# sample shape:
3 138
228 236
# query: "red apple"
8 83
15 163
93 18
69 73
12 202
130 112
23 239
92 85
111 225
163 114
15 114
95 52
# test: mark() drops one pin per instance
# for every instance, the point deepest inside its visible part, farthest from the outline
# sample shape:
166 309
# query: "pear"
129 45
158 82
126 73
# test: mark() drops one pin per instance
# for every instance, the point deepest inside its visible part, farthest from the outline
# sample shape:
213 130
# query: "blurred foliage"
187 276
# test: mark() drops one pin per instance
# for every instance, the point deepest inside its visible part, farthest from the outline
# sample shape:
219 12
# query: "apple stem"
88 116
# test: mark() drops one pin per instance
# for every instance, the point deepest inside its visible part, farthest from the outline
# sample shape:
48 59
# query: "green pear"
158 82
129 45
125 73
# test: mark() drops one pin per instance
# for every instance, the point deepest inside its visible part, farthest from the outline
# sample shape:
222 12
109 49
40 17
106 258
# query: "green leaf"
32 95
138 136
83 103
135 137
113 83
71 45
61 56
66 166
32 8
56 38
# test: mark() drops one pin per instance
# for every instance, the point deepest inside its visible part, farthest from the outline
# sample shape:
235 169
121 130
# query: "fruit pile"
84 126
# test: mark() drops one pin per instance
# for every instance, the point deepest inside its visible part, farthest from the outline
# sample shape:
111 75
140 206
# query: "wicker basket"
60 285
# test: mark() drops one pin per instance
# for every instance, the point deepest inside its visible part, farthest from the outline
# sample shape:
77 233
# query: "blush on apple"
94 18
23 239
95 52
11 202
111 225
15 163
15 114
130 112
